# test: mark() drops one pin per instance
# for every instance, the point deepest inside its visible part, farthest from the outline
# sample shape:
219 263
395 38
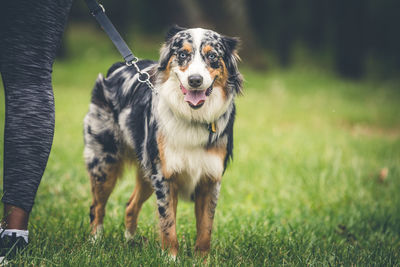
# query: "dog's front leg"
206 198
167 200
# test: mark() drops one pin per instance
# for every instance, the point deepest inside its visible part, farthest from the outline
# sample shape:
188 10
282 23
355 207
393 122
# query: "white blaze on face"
197 66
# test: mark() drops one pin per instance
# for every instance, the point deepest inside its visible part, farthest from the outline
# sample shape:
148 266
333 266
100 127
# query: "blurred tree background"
316 175
354 38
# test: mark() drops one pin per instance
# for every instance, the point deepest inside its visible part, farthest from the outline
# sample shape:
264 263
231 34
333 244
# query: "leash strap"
98 12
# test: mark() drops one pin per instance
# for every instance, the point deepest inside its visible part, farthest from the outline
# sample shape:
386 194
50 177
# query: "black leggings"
30 33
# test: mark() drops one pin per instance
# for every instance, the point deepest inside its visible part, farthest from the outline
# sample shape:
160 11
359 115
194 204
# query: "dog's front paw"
169 256
135 239
128 236
97 233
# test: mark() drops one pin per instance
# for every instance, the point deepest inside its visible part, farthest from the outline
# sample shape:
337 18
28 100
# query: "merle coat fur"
181 140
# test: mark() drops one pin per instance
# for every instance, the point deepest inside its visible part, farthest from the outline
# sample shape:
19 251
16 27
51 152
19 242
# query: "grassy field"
305 186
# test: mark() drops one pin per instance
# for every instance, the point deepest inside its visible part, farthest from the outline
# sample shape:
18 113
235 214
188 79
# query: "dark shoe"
10 246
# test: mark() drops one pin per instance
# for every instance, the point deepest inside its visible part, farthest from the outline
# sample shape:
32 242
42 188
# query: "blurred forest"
357 36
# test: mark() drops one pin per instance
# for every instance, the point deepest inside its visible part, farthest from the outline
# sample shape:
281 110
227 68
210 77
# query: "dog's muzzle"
196 98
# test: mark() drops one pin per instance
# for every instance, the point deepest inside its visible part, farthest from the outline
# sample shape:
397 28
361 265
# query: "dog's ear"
231 43
165 52
172 31
231 59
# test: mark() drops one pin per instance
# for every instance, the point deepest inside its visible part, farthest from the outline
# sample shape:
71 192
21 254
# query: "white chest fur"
185 154
190 166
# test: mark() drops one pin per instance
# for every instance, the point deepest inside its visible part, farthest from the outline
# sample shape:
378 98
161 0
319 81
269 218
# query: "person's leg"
31 32
15 218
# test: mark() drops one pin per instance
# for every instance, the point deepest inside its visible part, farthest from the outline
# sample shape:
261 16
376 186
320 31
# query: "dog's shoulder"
114 67
122 67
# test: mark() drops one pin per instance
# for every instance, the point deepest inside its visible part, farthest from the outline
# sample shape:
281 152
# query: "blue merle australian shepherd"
180 138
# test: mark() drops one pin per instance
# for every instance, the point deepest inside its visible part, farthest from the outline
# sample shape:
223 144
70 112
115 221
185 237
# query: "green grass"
303 188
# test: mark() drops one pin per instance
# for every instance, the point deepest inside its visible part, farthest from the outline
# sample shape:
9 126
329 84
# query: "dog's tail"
101 132
99 94
103 95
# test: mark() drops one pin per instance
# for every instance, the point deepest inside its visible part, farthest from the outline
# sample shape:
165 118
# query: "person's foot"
11 244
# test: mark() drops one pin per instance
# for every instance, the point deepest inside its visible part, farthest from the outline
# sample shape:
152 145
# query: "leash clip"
132 62
147 77
144 76
100 8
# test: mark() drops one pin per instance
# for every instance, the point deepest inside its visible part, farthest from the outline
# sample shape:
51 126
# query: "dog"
180 136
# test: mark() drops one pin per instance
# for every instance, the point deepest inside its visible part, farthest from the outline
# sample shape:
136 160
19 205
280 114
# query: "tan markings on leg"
141 193
161 149
169 238
205 203
101 191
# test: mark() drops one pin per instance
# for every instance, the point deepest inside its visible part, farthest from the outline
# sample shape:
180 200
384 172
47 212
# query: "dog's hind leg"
167 201
102 186
141 193
206 197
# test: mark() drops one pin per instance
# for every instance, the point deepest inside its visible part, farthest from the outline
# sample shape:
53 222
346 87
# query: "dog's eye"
182 55
212 56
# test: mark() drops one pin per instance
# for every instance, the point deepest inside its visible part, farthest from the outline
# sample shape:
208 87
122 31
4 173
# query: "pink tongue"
195 97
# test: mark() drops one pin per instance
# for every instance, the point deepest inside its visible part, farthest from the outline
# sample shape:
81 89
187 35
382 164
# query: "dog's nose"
195 80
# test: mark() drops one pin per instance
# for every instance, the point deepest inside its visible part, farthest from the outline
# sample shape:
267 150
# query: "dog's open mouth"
195 98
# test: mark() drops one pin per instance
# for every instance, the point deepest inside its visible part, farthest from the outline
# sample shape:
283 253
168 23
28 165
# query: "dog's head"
198 73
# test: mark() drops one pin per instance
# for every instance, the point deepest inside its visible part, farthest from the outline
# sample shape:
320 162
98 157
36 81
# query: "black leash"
98 12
